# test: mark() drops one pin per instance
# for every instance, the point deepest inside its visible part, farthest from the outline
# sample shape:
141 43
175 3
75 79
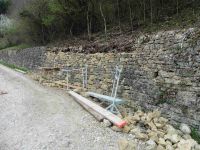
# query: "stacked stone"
157 133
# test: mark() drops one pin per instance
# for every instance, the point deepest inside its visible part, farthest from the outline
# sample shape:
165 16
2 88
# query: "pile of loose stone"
156 133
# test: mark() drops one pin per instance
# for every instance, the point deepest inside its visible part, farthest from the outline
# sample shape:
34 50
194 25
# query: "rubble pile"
156 133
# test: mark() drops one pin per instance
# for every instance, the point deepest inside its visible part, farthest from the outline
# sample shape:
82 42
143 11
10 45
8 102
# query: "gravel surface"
36 118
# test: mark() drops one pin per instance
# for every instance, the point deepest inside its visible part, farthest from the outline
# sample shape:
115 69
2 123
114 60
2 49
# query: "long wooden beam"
108 115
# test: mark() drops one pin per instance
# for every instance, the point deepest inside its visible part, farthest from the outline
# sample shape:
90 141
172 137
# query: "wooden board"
49 68
98 116
108 115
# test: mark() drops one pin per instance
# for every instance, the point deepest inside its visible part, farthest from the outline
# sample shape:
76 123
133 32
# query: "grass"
12 66
195 135
16 47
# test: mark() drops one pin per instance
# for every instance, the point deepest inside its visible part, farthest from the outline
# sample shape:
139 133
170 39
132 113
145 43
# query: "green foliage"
12 66
52 19
195 135
4 5
15 47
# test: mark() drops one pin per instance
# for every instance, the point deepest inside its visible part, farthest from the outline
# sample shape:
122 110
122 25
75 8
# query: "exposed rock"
124 144
151 145
106 123
162 142
186 144
160 147
152 126
141 136
135 130
115 128
153 136
174 138
170 129
130 120
159 125
169 147
126 129
186 137
185 128
163 120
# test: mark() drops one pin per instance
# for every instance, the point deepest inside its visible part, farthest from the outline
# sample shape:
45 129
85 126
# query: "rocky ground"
157 133
36 118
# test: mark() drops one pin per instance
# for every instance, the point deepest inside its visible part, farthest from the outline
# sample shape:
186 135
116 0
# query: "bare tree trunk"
130 11
144 10
118 10
104 20
151 11
71 33
88 25
177 7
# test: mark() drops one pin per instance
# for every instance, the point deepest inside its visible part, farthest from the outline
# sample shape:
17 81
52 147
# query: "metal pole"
83 77
67 80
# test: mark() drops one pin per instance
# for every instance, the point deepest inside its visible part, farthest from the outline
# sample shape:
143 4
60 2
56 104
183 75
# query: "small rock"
169 147
149 117
115 128
162 120
185 128
152 126
156 114
141 136
124 144
106 123
160 133
136 118
130 120
126 129
154 136
186 137
174 138
151 145
160 147
139 113
159 125
162 142
170 129
186 144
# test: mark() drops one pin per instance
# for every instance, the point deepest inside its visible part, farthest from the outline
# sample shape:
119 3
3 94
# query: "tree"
4 5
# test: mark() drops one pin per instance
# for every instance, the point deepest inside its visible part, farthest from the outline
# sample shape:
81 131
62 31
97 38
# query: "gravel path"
36 118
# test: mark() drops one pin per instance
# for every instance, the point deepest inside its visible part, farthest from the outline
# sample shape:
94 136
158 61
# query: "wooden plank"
49 68
98 116
108 115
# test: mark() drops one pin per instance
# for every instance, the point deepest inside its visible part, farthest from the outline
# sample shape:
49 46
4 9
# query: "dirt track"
35 118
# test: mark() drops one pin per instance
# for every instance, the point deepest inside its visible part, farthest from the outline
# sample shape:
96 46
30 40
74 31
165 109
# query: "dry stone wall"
162 72
30 58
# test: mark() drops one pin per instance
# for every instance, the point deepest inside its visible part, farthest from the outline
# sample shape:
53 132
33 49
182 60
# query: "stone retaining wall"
162 71
30 58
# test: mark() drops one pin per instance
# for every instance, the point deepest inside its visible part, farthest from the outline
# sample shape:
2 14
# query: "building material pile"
157 133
